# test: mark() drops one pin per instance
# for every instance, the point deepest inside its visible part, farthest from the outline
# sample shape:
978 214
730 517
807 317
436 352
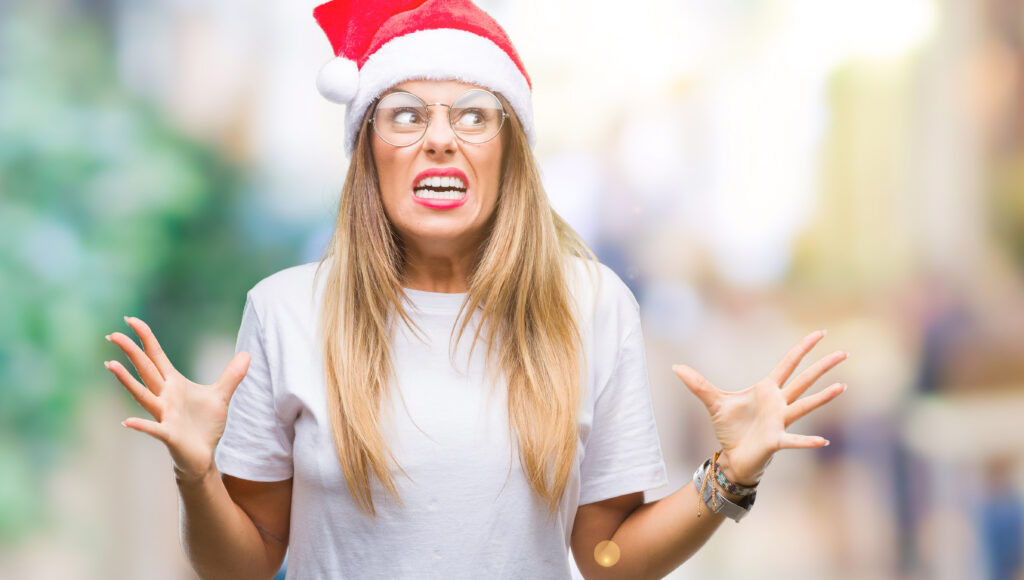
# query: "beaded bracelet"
710 497
733 488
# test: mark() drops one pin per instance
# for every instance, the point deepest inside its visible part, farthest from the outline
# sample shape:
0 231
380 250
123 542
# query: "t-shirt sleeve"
256 444
623 453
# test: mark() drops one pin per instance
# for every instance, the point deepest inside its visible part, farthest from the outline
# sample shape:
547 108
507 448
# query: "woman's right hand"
190 418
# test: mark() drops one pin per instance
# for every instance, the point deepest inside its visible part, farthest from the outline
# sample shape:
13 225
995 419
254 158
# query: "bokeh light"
607 553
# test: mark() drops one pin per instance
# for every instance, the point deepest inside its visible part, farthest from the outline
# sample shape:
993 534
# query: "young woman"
458 389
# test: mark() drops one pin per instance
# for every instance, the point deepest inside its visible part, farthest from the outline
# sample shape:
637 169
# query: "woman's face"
426 216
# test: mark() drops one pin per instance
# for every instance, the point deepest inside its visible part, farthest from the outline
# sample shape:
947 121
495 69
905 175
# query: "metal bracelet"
714 499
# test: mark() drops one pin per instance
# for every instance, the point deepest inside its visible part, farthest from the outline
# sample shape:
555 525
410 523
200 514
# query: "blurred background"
753 169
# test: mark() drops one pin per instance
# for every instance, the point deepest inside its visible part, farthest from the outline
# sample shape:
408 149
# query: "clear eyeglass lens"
401 118
477 116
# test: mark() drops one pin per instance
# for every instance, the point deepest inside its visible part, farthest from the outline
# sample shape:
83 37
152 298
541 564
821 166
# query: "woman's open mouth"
441 188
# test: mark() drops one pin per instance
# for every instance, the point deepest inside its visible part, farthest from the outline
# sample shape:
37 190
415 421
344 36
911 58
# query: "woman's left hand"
751 424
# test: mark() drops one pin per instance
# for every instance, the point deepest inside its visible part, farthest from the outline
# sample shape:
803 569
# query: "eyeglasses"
401 118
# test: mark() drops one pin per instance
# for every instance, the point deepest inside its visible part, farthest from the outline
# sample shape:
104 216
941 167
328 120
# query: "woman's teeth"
440 188
447 194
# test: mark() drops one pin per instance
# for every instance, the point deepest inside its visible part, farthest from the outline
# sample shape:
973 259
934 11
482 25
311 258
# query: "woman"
457 461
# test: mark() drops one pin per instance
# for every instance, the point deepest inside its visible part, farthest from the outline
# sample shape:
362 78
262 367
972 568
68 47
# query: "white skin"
655 537
440 244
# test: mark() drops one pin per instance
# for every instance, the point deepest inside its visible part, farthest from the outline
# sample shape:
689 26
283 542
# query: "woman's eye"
405 116
472 117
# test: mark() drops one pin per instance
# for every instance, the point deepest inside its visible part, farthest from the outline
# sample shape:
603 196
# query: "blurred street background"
753 169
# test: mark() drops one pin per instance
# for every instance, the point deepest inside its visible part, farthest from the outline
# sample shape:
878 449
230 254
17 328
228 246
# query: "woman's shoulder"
287 287
298 277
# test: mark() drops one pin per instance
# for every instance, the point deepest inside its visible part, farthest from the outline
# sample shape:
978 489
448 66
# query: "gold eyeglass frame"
504 115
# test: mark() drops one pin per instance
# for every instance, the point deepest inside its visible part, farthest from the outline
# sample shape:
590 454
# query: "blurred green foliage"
105 211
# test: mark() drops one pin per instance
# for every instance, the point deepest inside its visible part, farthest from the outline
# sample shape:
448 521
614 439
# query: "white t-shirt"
469 511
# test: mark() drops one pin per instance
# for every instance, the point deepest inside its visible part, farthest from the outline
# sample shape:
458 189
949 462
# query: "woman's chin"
443 231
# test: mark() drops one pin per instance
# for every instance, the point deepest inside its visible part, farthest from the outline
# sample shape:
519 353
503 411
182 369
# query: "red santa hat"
381 43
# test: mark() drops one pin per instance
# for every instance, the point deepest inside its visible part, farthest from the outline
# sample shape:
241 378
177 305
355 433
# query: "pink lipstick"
441 188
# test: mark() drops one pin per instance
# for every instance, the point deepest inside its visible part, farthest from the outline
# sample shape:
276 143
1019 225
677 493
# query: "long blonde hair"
518 283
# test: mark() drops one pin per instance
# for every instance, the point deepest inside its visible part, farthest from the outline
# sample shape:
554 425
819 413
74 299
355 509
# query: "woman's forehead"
434 90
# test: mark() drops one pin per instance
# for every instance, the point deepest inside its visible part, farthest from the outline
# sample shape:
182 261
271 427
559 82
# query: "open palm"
751 424
190 417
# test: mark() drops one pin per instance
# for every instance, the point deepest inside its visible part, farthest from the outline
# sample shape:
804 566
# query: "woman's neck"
437 272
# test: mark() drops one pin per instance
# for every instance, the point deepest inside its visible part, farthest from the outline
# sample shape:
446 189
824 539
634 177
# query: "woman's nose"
440 137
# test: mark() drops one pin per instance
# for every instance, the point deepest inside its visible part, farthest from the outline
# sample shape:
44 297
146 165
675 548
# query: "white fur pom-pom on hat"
385 42
338 80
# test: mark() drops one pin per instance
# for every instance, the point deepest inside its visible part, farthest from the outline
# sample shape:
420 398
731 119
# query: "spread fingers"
152 345
803 406
780 374
139 392
804 380
148 371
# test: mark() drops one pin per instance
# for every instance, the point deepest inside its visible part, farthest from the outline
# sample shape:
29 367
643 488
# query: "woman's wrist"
746 480
718 494
194 479
733 497
736 499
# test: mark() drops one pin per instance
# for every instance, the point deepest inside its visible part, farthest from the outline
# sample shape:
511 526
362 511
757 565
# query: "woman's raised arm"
624 538
219 537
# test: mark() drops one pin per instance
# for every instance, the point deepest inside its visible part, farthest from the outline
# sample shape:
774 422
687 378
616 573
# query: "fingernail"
827 442
107 337
674 367
824 331
844 388
124 423
126 320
